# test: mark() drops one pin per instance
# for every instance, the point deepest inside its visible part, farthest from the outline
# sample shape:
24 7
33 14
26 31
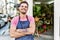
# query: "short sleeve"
32 20
13 22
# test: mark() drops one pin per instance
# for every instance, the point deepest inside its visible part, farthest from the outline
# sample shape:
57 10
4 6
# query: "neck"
22 15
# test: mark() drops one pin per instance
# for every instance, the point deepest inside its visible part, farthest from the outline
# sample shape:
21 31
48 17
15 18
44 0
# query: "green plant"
36 10
45 12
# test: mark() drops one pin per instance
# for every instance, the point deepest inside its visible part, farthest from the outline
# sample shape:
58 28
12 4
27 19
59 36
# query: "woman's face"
23 8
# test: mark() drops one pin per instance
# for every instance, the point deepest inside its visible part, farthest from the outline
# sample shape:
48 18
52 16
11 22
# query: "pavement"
41 37
6 38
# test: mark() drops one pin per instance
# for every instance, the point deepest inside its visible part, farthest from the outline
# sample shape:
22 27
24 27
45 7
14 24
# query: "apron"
24 25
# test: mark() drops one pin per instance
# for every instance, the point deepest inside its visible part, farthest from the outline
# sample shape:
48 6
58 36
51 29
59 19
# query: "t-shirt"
14 21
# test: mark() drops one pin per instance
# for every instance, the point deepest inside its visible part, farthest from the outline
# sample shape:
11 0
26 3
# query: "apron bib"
24 25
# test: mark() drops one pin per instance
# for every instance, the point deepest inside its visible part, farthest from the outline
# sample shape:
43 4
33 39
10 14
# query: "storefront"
44 16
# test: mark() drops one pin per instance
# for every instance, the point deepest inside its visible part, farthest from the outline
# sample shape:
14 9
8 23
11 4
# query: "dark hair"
23 2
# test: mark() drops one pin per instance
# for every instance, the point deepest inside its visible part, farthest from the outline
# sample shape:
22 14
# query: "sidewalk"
6 38
42 37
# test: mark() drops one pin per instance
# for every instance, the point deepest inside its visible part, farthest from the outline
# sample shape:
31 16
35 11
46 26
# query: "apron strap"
27 17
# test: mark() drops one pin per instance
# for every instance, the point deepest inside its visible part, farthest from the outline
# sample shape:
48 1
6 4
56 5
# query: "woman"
22 26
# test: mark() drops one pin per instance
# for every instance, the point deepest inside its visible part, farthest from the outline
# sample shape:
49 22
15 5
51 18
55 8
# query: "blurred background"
43 13
59 27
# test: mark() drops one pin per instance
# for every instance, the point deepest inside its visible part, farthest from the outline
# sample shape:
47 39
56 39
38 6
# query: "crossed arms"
15 33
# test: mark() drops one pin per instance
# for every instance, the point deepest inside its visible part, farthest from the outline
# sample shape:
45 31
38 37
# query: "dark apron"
24 25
